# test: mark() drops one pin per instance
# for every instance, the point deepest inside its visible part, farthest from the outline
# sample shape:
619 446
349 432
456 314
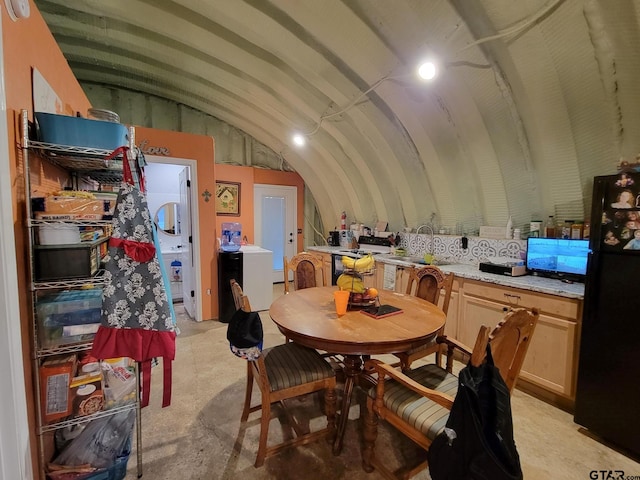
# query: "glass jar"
550 228
534 228
566 229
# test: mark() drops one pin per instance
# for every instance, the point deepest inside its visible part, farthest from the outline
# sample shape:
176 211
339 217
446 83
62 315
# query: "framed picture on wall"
227 198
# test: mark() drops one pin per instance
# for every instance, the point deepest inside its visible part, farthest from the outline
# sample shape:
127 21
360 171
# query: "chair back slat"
240 300
431 282
307 272
509 343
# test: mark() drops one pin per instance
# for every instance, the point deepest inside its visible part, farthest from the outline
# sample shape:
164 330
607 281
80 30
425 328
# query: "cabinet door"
379 278
550 361
370 280
451 326
327 259
402 279
475 312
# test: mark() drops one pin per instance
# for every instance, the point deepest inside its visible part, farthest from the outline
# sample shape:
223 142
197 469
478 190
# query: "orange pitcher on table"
341 298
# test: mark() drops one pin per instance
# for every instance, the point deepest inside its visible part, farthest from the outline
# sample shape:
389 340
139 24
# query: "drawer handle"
512 299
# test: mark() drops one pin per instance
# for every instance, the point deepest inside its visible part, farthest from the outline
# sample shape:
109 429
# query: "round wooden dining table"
308 317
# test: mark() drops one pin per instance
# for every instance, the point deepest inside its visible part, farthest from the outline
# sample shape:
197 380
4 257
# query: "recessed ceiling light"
299 140
427 70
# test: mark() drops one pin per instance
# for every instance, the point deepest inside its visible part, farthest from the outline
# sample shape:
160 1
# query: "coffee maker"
334 238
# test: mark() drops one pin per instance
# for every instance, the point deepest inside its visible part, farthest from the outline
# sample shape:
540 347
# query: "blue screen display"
555 255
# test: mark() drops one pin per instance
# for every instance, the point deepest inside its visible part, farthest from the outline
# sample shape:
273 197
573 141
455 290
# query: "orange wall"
244 176
248 177
201 149
28 43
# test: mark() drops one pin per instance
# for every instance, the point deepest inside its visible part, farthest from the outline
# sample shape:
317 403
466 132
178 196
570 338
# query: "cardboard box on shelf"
119 382
55 378
86 394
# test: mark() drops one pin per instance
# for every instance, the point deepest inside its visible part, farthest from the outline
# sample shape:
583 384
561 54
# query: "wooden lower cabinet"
451 326
550 366
400 276
327 260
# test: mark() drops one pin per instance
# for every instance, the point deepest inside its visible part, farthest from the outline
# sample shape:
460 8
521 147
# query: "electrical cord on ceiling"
516 28
351 103
509 31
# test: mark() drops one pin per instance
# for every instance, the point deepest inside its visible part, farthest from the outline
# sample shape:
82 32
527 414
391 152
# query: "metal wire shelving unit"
85 163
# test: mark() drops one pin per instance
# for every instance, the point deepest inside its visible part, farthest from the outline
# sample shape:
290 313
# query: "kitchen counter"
526 282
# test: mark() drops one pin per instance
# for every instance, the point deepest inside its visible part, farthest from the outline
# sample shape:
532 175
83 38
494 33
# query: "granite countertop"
462 270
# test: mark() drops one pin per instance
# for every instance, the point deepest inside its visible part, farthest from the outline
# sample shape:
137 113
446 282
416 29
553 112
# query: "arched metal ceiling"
534 97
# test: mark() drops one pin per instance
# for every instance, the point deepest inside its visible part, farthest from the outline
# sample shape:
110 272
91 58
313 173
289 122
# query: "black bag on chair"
477 442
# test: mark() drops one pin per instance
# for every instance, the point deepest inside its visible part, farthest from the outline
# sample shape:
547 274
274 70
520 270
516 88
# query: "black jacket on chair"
477 442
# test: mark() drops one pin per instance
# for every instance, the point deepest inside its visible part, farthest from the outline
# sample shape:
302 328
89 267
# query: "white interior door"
275 212
186 255
179 184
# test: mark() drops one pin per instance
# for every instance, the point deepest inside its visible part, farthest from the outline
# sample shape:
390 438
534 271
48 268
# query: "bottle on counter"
535 227
576 230
586 230
550 228
509 231
566 229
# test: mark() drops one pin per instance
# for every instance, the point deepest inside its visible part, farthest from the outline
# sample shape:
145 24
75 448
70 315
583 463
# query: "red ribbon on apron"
139 251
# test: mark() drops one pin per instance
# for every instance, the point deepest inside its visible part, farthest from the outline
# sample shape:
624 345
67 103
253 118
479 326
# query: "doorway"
275 213
173 181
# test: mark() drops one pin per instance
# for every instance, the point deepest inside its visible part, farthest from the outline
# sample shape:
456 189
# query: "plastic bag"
100 443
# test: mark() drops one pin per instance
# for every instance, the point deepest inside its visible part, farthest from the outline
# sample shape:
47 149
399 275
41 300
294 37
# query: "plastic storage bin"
80 132
68 317
70 307
231 237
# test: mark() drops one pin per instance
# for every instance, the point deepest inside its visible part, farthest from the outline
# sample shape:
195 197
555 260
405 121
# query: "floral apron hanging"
137 319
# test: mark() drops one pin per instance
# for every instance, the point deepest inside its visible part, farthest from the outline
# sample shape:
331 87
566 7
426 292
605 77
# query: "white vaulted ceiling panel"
534 97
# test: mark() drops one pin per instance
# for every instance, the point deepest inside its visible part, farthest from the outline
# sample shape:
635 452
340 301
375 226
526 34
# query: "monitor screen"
557 257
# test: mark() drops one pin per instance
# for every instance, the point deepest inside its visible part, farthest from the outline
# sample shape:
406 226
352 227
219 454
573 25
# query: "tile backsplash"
449 247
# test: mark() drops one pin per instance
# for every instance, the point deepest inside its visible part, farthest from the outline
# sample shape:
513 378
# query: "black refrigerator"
608 390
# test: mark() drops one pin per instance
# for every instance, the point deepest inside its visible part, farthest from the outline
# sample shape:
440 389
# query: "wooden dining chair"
284 372
418 403
307 271
428 283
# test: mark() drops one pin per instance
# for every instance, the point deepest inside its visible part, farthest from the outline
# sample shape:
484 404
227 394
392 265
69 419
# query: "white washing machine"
257 274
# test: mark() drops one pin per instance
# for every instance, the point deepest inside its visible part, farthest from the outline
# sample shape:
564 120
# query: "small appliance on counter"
509 270
346 238
334 238
511 267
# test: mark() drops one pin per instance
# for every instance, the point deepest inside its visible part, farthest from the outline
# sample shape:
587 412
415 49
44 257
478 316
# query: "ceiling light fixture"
299 140
427 70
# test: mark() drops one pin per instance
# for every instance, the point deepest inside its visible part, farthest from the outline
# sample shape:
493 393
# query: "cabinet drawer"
568 308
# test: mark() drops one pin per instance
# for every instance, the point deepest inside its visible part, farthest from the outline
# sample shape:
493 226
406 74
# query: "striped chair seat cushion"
423 414
289 365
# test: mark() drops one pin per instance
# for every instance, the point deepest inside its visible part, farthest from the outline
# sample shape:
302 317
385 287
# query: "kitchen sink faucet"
430 229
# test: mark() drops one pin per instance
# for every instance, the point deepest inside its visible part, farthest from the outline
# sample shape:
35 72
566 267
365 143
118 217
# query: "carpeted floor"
199 437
